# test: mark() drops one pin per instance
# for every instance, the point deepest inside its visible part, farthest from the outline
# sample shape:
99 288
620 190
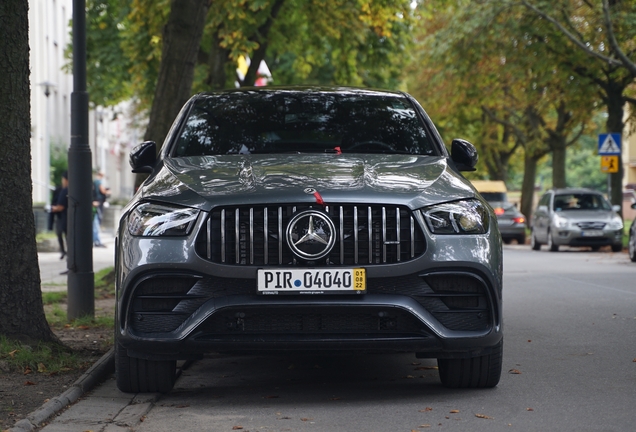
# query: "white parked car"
576 217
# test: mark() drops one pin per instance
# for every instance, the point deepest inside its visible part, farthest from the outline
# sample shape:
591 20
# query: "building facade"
111 135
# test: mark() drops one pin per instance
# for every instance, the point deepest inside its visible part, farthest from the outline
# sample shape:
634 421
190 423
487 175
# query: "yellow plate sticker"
359 279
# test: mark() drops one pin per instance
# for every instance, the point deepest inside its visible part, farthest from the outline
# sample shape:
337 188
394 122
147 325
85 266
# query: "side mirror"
143 157
634 206
464 154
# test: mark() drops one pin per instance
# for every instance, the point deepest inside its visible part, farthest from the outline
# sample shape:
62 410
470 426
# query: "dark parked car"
306 219
511 222
576 217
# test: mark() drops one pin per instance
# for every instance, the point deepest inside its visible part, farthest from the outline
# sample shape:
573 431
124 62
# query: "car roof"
343 90
576 191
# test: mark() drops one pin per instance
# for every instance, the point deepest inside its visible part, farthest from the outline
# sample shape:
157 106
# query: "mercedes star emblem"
311 235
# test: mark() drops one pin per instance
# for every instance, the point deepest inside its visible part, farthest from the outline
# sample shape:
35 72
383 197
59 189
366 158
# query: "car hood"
587 215
248 179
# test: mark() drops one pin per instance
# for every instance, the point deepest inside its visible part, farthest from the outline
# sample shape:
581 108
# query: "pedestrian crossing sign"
609 144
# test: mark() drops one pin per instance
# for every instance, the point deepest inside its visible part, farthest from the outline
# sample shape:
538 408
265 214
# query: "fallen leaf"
634 360
182 406
29 383
237 427
12 353
529 409
41 367
83 327
410 377
529 340
425 367
454 411
306 419
284 418
514 371
27 370
426 409
142 418
483 416
424 426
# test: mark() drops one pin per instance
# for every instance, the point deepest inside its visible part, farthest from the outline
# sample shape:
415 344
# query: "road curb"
93 376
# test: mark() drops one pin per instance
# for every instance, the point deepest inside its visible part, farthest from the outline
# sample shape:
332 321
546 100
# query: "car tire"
595 248
632 247
475 372
521 240
617 248
534 243
136 375
553 247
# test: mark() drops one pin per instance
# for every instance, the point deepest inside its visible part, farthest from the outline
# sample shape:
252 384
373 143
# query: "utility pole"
81 279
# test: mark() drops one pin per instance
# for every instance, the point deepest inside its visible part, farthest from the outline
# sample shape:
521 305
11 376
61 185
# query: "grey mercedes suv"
307 220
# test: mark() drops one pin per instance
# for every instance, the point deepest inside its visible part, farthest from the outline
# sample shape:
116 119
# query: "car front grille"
459 301
255 236
591 225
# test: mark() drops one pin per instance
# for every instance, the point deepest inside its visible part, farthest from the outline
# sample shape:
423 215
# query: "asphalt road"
569 365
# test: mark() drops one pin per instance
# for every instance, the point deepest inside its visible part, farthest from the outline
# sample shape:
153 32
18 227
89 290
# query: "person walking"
100 193
60 208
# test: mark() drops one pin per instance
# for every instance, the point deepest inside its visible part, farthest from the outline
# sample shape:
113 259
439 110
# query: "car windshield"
296 122
580 201
494 196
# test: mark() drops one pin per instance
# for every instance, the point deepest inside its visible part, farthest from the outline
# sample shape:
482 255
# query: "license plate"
312 281
592 233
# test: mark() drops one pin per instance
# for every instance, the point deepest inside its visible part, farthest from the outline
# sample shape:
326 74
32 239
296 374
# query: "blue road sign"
609 144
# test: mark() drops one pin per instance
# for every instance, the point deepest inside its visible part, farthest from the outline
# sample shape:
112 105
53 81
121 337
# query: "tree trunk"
614 124
261 38
527 185
217 60
558 145
181 40
20 295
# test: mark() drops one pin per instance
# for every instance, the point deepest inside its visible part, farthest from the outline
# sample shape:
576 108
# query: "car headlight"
616 223
461 217
152 220
560 221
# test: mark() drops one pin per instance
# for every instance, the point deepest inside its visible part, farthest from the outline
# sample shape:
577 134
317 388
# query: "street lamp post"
81 282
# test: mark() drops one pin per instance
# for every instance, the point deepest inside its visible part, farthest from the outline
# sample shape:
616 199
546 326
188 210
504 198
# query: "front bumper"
174 304
578 237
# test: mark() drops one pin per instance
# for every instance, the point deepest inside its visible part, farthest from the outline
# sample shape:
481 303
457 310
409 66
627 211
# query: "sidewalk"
51 266
51 280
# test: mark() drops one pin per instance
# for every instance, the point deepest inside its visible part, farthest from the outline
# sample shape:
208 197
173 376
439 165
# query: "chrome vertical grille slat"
355 235
251 236
265 238
383 234
397 233
237 234
222 228
255 236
